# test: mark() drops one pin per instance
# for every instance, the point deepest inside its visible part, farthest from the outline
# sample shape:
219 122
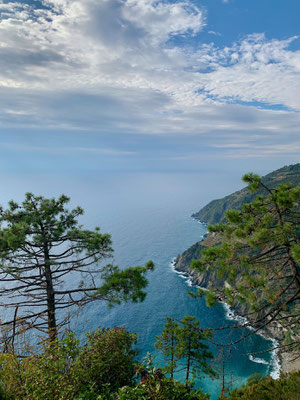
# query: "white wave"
258 360
182 274
274 364
231 316
190 282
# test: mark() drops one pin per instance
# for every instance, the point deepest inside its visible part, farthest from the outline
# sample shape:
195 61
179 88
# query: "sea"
149 218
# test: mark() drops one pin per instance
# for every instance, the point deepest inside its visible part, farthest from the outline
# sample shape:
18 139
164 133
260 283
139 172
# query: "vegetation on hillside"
66 370
265 388
257 253
259 257
214 212
104 368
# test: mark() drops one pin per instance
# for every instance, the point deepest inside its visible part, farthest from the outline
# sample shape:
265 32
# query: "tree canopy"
183 346
42 245
258 257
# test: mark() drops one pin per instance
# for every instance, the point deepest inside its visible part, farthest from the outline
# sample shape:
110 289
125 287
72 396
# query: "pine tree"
42 245
191 350
166 344
258 256
183 347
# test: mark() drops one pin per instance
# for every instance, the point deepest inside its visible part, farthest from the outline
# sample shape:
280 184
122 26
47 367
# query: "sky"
155 86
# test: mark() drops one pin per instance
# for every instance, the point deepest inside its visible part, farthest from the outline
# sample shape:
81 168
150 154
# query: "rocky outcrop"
183 261
209 280
214 212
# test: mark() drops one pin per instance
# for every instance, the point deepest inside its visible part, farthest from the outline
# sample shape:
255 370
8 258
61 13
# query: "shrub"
66 370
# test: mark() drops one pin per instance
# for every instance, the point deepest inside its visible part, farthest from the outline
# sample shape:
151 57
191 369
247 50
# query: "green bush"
167 388
107 361
155 386
266 388
66 370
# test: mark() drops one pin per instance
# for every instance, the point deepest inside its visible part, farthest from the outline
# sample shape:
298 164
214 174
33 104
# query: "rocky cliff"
214 213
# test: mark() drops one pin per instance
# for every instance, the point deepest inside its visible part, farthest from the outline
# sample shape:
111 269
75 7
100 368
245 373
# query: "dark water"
160 229
148 216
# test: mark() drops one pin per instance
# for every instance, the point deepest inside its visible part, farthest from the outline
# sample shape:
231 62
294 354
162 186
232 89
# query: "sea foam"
274 364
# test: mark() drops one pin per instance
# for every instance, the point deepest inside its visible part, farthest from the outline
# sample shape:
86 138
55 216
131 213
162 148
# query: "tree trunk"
52 327
172 355
188 366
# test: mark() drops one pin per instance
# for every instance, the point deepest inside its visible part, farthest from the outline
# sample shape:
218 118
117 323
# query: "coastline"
281 362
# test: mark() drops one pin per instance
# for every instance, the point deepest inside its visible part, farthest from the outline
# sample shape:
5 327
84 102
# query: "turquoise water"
148 216
160 229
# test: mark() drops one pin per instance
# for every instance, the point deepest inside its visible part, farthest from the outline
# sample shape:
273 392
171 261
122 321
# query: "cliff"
183 261
214 211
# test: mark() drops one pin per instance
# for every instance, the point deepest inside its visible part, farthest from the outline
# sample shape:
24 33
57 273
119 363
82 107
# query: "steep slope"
214 212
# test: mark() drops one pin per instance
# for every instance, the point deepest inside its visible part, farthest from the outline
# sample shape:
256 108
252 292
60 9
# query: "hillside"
214 211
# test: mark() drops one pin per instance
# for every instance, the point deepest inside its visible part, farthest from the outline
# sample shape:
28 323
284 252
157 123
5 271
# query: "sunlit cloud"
128 66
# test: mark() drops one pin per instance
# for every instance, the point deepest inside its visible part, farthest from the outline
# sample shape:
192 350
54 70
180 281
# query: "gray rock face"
183 262
214 212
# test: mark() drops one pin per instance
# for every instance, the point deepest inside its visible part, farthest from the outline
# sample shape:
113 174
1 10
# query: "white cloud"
102 151
255 151
257 70
64 150
110 66
162 20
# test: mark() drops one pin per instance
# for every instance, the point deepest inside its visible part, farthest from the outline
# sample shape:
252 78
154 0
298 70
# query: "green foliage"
155 386
107 359
182 345
210 298
41 242
191 349
65 370
160 389
214 212
258 254
296 252
125 285
253 181
167 343
266 388
197 265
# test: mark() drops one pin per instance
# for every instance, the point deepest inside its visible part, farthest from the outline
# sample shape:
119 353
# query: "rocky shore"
209 279
214 212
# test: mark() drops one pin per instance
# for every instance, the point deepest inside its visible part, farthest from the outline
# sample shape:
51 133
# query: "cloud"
63 150
256 69
270 150
116 66
103 151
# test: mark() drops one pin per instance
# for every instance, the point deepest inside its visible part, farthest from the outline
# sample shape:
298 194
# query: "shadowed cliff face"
210 280
183 261
214 211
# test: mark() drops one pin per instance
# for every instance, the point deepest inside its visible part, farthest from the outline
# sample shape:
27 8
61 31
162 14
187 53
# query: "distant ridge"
214 211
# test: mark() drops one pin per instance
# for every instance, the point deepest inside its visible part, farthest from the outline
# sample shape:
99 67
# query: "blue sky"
99 86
